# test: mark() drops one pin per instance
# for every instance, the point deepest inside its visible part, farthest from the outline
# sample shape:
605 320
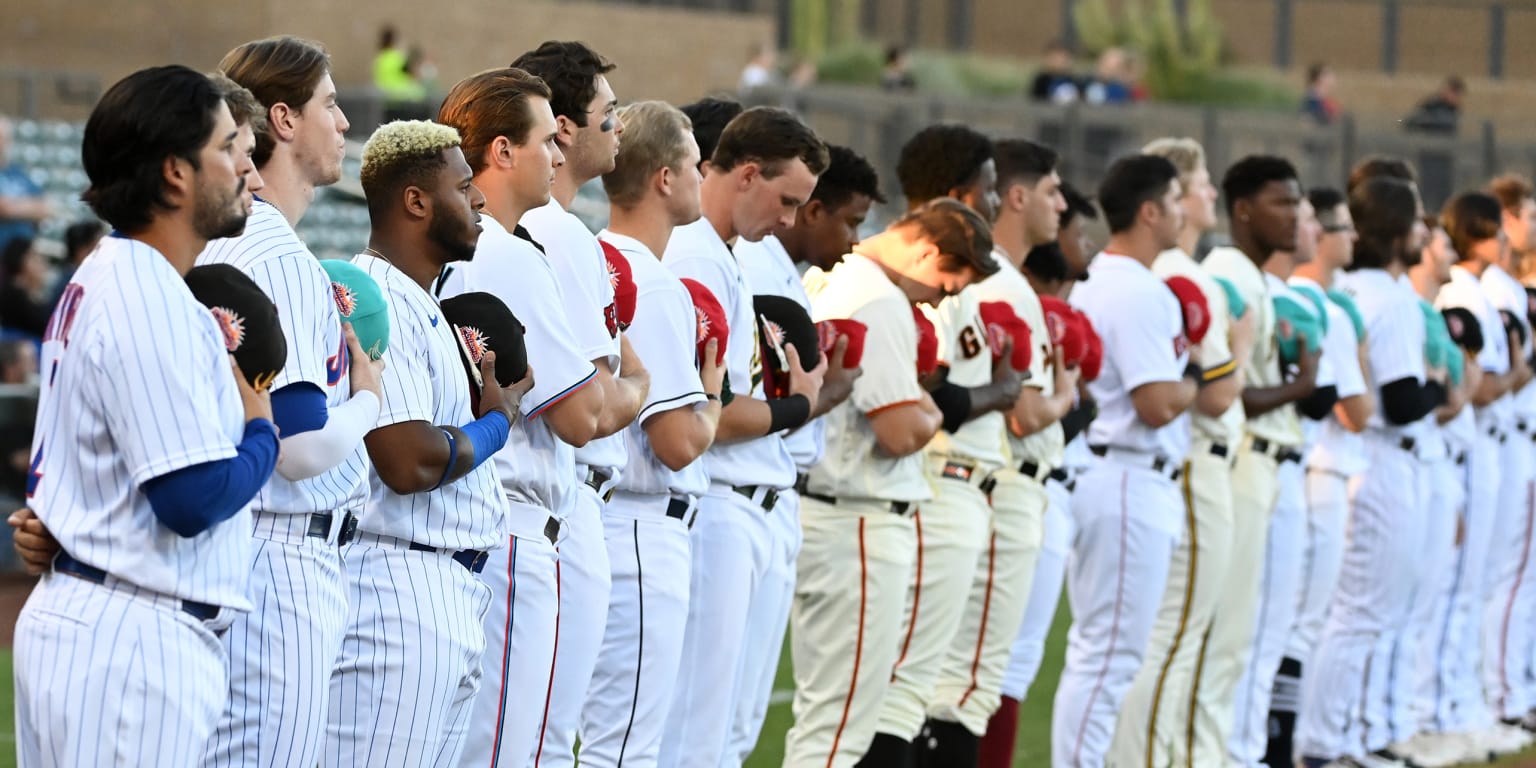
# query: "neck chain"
376 253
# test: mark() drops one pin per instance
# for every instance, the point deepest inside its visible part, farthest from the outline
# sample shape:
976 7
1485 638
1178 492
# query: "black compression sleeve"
1406 400
1317 405
788 413
1077 420
954 401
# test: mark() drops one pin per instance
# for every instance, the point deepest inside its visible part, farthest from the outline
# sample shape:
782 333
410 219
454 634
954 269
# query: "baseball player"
951 528
826 228
1154 719
969 683
415 598
1262 197
509 131
856 509
282 652
589 132
146 483
652 188
763 169
1138 438
1387 499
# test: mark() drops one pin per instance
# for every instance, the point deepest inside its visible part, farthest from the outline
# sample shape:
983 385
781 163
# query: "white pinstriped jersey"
1010 285
536 466
1394 333
964 349
770 270
425 381
663 335
582 270
696 251
271 253
136 384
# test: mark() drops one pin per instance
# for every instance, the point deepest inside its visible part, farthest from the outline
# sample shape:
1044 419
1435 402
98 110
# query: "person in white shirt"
1127 503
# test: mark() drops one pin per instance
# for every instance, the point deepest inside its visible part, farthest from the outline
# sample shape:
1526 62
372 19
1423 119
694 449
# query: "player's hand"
1437 373
802 382
509 399
1004 375
365 371
711 374
1306 367
1066 377
258 405
34 544
838 383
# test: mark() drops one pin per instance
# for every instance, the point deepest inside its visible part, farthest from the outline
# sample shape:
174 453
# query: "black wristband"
1194 371
788 413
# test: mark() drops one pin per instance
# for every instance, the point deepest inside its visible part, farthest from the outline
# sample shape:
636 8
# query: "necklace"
376 253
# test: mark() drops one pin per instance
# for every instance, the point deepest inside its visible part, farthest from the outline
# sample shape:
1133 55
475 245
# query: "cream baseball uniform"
858 552
1126 505
1154 723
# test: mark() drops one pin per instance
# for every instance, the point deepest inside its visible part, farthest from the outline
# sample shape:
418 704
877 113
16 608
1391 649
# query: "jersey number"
336 366
970 345
35 473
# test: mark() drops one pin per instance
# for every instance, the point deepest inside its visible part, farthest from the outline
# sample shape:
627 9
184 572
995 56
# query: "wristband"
487 435
453 455
788 413
1194 371
710 396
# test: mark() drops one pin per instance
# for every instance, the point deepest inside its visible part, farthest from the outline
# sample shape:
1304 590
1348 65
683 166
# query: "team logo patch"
1454 325
1180 345
475 342
613 276
997 338
774 333
346 300
1057 325
701 332
826 335
232 325
1194 316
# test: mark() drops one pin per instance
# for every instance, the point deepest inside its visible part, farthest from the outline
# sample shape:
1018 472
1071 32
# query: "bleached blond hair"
403 151
1186 155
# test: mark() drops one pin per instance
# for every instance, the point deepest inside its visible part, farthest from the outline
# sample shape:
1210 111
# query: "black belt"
801 487
473 559
1407 444
1031 469
1292 455
1273 450
320 527
1066 480
770 496
1461 458
64 563
1159 464
1219 450
677 509
1494 432
597 478
959 470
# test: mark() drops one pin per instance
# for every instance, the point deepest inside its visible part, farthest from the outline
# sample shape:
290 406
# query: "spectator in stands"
24 299
22 204
1441 112
1318 101
759 70
1056 82
1112 79
18 367
79 240
895 76
18 362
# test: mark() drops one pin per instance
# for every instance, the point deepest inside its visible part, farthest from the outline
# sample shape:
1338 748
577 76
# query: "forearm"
1034 410
1217 396
309 454
622 401
1258 401
682 435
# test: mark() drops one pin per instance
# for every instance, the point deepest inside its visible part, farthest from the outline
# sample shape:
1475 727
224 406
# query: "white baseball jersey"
271 253
1465 290
1263 368
965 350
535 466
1394 333
136 384
1507 293
1335 448
663 333
1009 285
582 271
1142 327
1215 348
770 270
854 467
696 251
425 381
1327 375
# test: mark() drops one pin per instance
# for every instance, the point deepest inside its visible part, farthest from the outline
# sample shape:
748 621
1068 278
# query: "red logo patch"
475 343
232 325
346 300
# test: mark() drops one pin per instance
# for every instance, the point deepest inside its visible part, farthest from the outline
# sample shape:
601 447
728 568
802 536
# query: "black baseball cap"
782 321
484 324
246 316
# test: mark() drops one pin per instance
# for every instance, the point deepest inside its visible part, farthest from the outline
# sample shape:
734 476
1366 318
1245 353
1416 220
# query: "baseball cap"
1064 332
782 321
927 343
1347 303
1003 325
709 319
1464 328
1093 357
361 303
622 278
1512 323
831 330
246 317
1530 305
1193 305
1299 320
1315 296
1235 304
484 324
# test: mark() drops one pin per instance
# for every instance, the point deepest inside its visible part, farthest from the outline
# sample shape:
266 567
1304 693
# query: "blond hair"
1186 155
403 152
655 137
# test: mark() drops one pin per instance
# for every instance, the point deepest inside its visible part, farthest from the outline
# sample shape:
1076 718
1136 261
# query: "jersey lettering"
35 473
970 345
336 367
64 315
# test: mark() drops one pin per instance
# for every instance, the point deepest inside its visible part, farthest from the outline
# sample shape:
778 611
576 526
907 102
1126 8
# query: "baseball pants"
519 631
1128 521
1463 707
1327 521
1279 590
1044 592
1506 619
281 653
731 543
642 646
1371 597
1154 723
411 654
1420 694
583 580
114 675
767 623
969 686
1229 643
951 535
850 585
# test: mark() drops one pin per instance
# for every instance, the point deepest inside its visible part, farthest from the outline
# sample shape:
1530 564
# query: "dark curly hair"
847 175
570 69
941 158
710 116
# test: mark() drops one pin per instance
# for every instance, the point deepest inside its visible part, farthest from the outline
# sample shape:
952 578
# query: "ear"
1016 197
662 182
814 211
747 173
499 153
178 177
282 122
1240 209
566 129
418 204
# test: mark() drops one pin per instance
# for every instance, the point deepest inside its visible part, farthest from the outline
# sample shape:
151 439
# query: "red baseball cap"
1192 303
831 330
1065 333
1004 324
622 278
927 343
1092 361
711 319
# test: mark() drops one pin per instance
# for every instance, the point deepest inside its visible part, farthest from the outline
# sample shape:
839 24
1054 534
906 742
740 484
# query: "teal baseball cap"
361 303
1302 321
1347 303
1235 304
